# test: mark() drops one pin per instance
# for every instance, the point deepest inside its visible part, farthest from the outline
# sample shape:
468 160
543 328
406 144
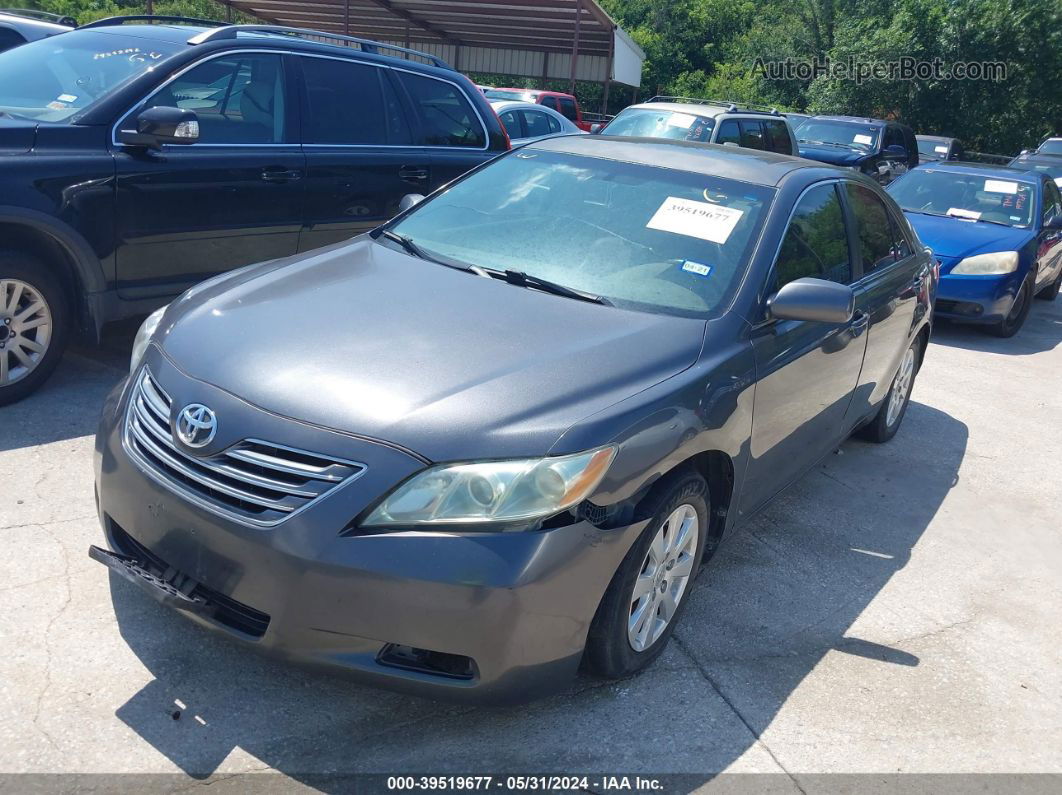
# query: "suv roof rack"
729 104
366 45
108 22
43 16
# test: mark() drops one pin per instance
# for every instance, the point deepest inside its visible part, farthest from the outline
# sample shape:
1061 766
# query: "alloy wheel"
663 578
900 387
25 330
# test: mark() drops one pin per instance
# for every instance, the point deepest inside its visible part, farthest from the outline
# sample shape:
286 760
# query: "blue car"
997 233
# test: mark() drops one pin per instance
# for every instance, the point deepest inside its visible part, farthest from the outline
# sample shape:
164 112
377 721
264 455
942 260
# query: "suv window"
567 108
536 123
238 99
350 103
815 244
446 115
876 243
549 102
776 137
751 134
729 132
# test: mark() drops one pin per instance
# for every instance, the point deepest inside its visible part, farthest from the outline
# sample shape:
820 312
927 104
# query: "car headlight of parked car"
996 263
143 337
493 492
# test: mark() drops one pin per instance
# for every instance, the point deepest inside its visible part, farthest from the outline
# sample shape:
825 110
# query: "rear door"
806 371
1049 241
233 198
886 293
360 154
446 124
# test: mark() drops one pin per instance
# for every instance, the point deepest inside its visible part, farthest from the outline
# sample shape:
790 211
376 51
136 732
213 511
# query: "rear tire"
647 594
1015 319
34 325
894 407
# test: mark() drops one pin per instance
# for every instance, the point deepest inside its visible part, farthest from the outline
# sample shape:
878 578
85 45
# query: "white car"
526 121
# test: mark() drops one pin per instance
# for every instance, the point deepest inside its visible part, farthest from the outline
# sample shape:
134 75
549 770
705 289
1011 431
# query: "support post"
346 17
608 70
151 6
575 44
545 69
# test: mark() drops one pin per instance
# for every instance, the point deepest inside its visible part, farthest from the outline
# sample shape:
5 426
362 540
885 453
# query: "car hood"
833 155
363 339
954 237
16 136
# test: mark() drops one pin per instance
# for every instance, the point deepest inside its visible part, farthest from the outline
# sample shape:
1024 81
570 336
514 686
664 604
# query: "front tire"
1015 319
648 592
893 409
34 323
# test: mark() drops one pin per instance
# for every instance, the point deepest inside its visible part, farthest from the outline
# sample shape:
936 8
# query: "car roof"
935 138
38 28
854 120
980 170
705 110
732 162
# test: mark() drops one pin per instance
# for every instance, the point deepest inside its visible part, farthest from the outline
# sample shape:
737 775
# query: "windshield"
513 94
1051 147
642 237
55 78
838 133
651 123
978 198
937 149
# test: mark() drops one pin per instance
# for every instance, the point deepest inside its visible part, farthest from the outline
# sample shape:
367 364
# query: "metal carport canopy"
545 39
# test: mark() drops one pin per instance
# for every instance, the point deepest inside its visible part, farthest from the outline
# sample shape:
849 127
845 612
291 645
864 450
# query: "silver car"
525 121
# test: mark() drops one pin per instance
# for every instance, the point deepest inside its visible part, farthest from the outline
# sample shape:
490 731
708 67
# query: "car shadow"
783 592
1042 332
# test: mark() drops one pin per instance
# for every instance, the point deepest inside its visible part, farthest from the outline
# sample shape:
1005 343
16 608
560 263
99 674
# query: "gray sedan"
526 121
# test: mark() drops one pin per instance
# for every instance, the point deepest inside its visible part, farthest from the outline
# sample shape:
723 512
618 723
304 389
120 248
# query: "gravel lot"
897 610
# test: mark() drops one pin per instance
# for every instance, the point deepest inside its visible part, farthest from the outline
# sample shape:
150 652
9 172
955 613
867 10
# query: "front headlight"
143 338
995 264
494 492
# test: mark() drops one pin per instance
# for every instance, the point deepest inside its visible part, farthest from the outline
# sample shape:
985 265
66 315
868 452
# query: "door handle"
860 323
413 173
279 174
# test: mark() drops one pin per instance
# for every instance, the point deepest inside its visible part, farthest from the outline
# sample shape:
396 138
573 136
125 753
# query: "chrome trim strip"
288 467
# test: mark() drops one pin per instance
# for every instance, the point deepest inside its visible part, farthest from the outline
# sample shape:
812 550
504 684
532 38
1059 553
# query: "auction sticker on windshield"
1000 186
682 120
943 150
712 222
862 139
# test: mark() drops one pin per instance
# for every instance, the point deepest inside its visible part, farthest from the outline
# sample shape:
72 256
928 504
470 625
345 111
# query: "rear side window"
239 99
752 134
815 244
511 122
729 132
554 125
536 123
567 108
776 137
446 115
350 103
9 39
1052 200
876 242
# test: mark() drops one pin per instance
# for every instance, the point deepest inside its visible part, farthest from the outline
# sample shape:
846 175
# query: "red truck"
565 104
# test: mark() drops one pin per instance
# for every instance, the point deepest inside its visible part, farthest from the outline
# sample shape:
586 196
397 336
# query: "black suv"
139 159
883 150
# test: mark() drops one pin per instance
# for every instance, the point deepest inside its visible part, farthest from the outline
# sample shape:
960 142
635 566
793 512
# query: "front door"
806 371
360 154
1049 240
232 199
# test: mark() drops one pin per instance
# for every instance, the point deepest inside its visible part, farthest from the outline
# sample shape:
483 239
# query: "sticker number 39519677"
712 222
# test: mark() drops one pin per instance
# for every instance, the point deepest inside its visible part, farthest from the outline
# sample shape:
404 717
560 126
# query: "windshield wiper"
412 248
521 279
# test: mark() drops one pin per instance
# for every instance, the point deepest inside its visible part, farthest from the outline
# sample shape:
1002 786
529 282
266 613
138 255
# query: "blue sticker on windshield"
700 269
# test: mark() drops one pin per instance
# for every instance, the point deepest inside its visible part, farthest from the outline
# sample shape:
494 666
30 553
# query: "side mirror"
816 300
162 125
410 200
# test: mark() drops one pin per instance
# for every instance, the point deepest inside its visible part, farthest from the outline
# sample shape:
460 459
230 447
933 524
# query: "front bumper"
976 299
517 605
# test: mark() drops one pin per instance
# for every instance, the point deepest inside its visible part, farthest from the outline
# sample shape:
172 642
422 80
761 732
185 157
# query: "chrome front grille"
252 481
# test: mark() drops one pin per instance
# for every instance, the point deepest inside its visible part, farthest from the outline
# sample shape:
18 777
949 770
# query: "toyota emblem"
196 425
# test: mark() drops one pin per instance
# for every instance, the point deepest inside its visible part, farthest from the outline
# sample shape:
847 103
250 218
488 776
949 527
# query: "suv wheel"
34 323
645 598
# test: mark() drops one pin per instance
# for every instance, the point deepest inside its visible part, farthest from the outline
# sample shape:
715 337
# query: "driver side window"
816 242
1052 201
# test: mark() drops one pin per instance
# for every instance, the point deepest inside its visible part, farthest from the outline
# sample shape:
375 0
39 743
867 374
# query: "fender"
88 270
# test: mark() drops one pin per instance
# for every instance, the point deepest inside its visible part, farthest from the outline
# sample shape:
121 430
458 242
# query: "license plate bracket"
132 570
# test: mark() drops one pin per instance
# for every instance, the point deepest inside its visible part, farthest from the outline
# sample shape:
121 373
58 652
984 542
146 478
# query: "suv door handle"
281 174
413 173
